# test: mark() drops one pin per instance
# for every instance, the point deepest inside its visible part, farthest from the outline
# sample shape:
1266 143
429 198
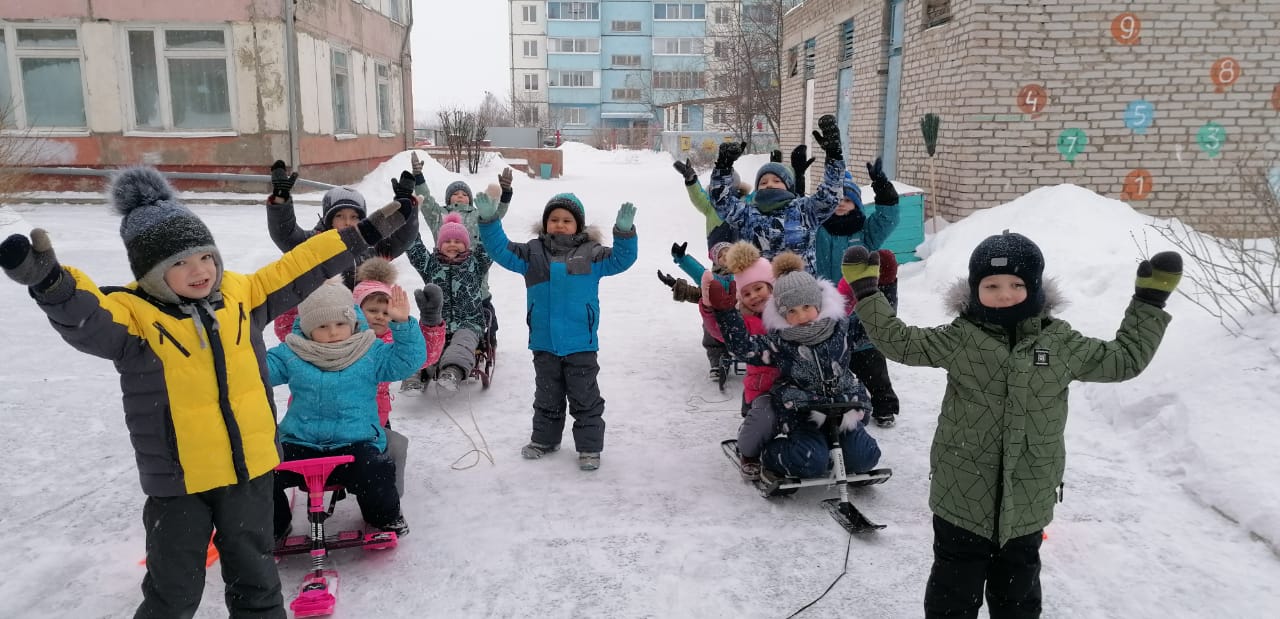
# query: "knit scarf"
772 199
334 356
810 334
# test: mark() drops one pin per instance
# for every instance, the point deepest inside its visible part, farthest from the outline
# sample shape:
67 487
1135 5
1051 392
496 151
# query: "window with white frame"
531 48
395 10
529 115
382 75
573 46
720 116
529 14
684 80
626 60
340 62
627 94
668 11
575 115
579 11
677 118
721 49
724 15
677 46
531 81
40 69
625 26
180 78
571 79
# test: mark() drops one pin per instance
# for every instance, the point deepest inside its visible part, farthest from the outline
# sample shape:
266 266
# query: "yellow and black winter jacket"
197 402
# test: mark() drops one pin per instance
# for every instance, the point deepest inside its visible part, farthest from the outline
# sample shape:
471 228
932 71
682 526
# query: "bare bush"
465 132
17 152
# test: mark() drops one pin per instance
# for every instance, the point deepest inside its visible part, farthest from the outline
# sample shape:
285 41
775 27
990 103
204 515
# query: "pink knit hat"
374 275
453 230
747 266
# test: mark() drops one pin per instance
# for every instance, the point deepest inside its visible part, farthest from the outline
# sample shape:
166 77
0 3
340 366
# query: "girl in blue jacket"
333 368
562 268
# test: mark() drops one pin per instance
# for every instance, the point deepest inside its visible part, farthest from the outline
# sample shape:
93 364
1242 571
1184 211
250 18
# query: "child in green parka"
998 455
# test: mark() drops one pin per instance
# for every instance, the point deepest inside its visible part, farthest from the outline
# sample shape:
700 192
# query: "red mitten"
888 267
716 297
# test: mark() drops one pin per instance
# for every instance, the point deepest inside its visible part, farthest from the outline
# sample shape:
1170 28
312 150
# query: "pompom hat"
374 276
744 260
793 286
453 230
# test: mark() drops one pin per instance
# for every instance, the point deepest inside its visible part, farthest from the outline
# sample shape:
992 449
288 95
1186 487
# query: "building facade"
203 86
1158 104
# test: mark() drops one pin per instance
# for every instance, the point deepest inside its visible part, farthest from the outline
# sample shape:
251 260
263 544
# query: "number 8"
1227 72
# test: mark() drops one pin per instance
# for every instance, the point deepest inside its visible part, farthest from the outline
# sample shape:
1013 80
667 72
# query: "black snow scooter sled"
771 484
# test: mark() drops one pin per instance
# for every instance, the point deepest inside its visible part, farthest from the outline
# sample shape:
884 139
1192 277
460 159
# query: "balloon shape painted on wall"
1211 137
1071 142
1137 185
1125 28
1139 115
1225 72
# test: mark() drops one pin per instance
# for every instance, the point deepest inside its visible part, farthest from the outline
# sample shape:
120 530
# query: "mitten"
886 194
684 291
1157 278
504 181
729 153
666 279
485 208
430 304
282 181
685 168
416 164
30 262
717 297
626 217
799 163
775 156
861 269
678 250
385 221
828 137
888 267
402 189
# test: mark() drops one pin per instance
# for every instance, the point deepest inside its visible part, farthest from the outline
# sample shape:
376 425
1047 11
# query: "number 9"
1128 27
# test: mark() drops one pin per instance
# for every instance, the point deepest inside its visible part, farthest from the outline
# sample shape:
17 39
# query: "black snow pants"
371 477
963 562
570 379
872 369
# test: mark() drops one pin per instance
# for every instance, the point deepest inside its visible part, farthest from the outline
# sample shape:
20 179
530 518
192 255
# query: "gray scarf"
810 334
332 357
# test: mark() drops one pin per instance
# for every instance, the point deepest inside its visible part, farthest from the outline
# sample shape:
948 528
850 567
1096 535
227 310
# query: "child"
807 342
562 268
779 220
333 369
341 208
185 338
681 290
717 230
998 454
374 281
460 273
867 363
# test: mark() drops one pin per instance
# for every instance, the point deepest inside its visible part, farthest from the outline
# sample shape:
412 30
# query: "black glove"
1157 278
729 153
678 249
775 156
666 279
504 181
282 181
686 170
403 188
430 304
798 166
31 262
828 137
886 195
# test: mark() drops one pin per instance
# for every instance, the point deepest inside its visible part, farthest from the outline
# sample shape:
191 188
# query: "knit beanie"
717 248
373 276
1008 253
329 303
453 230
779 170
455 186
747 266
337 199
157 229
568 202
793 286
851 189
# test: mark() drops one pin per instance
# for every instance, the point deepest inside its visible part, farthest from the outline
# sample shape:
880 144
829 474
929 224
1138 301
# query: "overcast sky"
461 48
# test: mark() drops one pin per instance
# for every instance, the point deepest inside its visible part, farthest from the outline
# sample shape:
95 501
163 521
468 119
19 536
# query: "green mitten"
1158 277
861 268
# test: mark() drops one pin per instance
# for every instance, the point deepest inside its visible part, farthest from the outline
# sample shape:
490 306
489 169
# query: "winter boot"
716 375
449 378
588 460
397 526
884 421
750 468
415 383
533 450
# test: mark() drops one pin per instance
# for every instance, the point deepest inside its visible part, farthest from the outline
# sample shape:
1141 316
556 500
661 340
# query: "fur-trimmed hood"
956 297
832 307
593 232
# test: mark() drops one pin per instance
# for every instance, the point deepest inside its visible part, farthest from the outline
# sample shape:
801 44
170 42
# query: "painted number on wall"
1071 142
1032 99
1211 138
1125 28
1139 115
1275 98
1225 72
1137 185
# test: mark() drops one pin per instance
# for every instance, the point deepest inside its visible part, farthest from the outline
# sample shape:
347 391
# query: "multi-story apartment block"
205 86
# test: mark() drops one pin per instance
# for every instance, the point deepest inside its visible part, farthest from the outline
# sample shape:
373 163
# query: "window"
810 58
41 67
760 14
573 46
529 14
846 43
531 49
395 11
724 15
383 82
626 60
720 116
721 49
677 118
575 116
180 79
340 62
626 94
936 12
580 11
677 46
625 26
572 79
531 81
685 80
529 115
793 61
681 11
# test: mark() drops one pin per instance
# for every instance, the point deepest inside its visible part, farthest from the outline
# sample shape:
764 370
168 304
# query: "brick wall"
970 71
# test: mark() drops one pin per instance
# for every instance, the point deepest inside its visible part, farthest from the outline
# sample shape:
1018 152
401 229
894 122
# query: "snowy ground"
1171 510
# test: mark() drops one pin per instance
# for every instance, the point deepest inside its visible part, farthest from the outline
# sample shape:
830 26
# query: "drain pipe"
292 87
406 88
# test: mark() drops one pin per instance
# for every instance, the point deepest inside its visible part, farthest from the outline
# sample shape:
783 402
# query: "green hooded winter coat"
998 454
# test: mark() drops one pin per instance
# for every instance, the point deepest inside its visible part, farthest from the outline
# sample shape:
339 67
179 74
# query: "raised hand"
282 182
886 194
729 153
403 188
775 156
717 297
1158 277
486 208
416 164
31 262
666 279
626 217
430 304
828 137
685 168
861 268
799 163
398 307
678 249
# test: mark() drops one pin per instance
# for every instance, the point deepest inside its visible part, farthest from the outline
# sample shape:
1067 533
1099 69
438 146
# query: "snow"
1171 505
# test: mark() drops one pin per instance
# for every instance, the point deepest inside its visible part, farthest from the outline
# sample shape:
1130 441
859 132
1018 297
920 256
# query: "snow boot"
533 450
588 460
397 526
449 378
884 421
